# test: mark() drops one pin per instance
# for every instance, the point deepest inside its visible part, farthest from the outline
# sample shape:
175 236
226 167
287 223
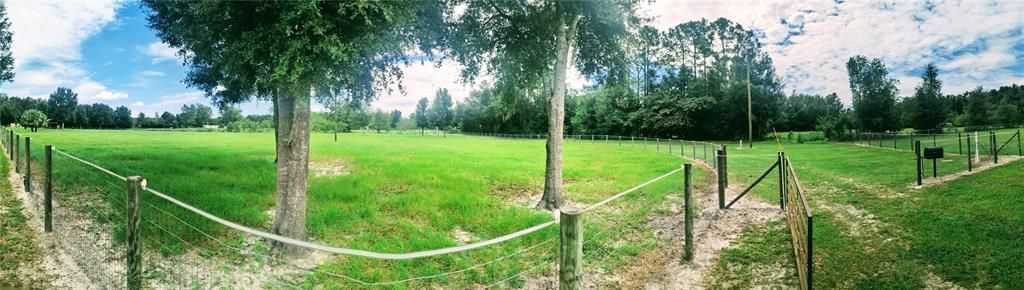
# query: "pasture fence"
117 231
962 151
701 151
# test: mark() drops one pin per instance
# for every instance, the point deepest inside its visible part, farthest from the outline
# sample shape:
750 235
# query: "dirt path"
57 263
928 182
714 230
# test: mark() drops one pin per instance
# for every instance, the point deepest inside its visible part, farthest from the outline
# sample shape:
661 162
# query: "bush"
33 119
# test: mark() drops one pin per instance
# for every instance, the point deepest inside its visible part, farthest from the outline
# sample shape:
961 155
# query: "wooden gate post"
570 262
48 190
134 255
688 212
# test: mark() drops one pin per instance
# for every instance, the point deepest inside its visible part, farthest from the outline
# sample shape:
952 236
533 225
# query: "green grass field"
389 193
400 193
873 231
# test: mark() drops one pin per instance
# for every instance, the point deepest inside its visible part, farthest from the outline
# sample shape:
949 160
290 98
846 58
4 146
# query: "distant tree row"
435 114
61 109
690 81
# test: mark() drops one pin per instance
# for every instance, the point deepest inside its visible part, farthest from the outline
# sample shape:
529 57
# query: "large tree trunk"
292 166
552 198
277 129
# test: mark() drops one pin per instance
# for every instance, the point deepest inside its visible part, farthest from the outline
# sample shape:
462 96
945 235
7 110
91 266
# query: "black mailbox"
933 153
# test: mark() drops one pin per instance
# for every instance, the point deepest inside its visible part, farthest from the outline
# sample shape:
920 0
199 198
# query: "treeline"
691 81
61 109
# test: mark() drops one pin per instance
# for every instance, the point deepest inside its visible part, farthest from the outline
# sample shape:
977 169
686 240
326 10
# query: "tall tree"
61 105
928 111
122 117
440 112
381 120
286 50
229 114
514 39
978 107
396 116
422 120
874 94
6 59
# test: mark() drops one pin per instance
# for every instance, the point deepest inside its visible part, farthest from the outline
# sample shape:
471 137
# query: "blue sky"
104 51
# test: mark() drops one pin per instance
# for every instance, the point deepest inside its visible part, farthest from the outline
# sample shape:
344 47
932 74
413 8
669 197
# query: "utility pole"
750 121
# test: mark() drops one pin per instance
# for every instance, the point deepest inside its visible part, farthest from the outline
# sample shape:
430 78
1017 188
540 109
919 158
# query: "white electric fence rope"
614 197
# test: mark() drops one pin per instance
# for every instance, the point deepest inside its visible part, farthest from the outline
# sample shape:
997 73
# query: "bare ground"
928 182
714 230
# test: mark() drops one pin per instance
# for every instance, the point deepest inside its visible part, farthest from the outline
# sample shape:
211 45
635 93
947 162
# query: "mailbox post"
934 153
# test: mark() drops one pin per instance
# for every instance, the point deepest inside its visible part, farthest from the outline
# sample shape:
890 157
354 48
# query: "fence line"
333 250
801 224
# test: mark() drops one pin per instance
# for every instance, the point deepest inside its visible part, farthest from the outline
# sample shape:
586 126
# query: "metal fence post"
721 178
28 165
688 212
570 262
995 151
917 156
782 180
48 190
134 255
970 163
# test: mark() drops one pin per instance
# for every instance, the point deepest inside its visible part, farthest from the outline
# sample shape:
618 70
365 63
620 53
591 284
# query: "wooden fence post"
28 165
17 150
1020 152
48 190
688 211
134 255
570 262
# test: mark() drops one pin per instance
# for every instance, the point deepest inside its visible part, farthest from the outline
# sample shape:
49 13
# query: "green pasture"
382 192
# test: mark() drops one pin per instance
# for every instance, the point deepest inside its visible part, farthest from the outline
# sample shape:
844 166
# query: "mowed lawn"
873 231
388 192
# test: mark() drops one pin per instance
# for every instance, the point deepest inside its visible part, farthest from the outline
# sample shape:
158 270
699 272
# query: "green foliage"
928 110
330 47
194 115
122 117
6 58
874 94
61 105
381 121
422 120
229 114
33 119
440 112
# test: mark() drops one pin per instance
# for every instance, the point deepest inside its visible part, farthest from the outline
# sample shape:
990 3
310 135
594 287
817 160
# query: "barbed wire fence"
701 151
84 206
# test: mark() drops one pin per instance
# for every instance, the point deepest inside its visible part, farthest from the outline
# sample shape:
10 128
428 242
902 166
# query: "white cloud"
159 52
46 44
971 41
151 73
90 92
422 80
